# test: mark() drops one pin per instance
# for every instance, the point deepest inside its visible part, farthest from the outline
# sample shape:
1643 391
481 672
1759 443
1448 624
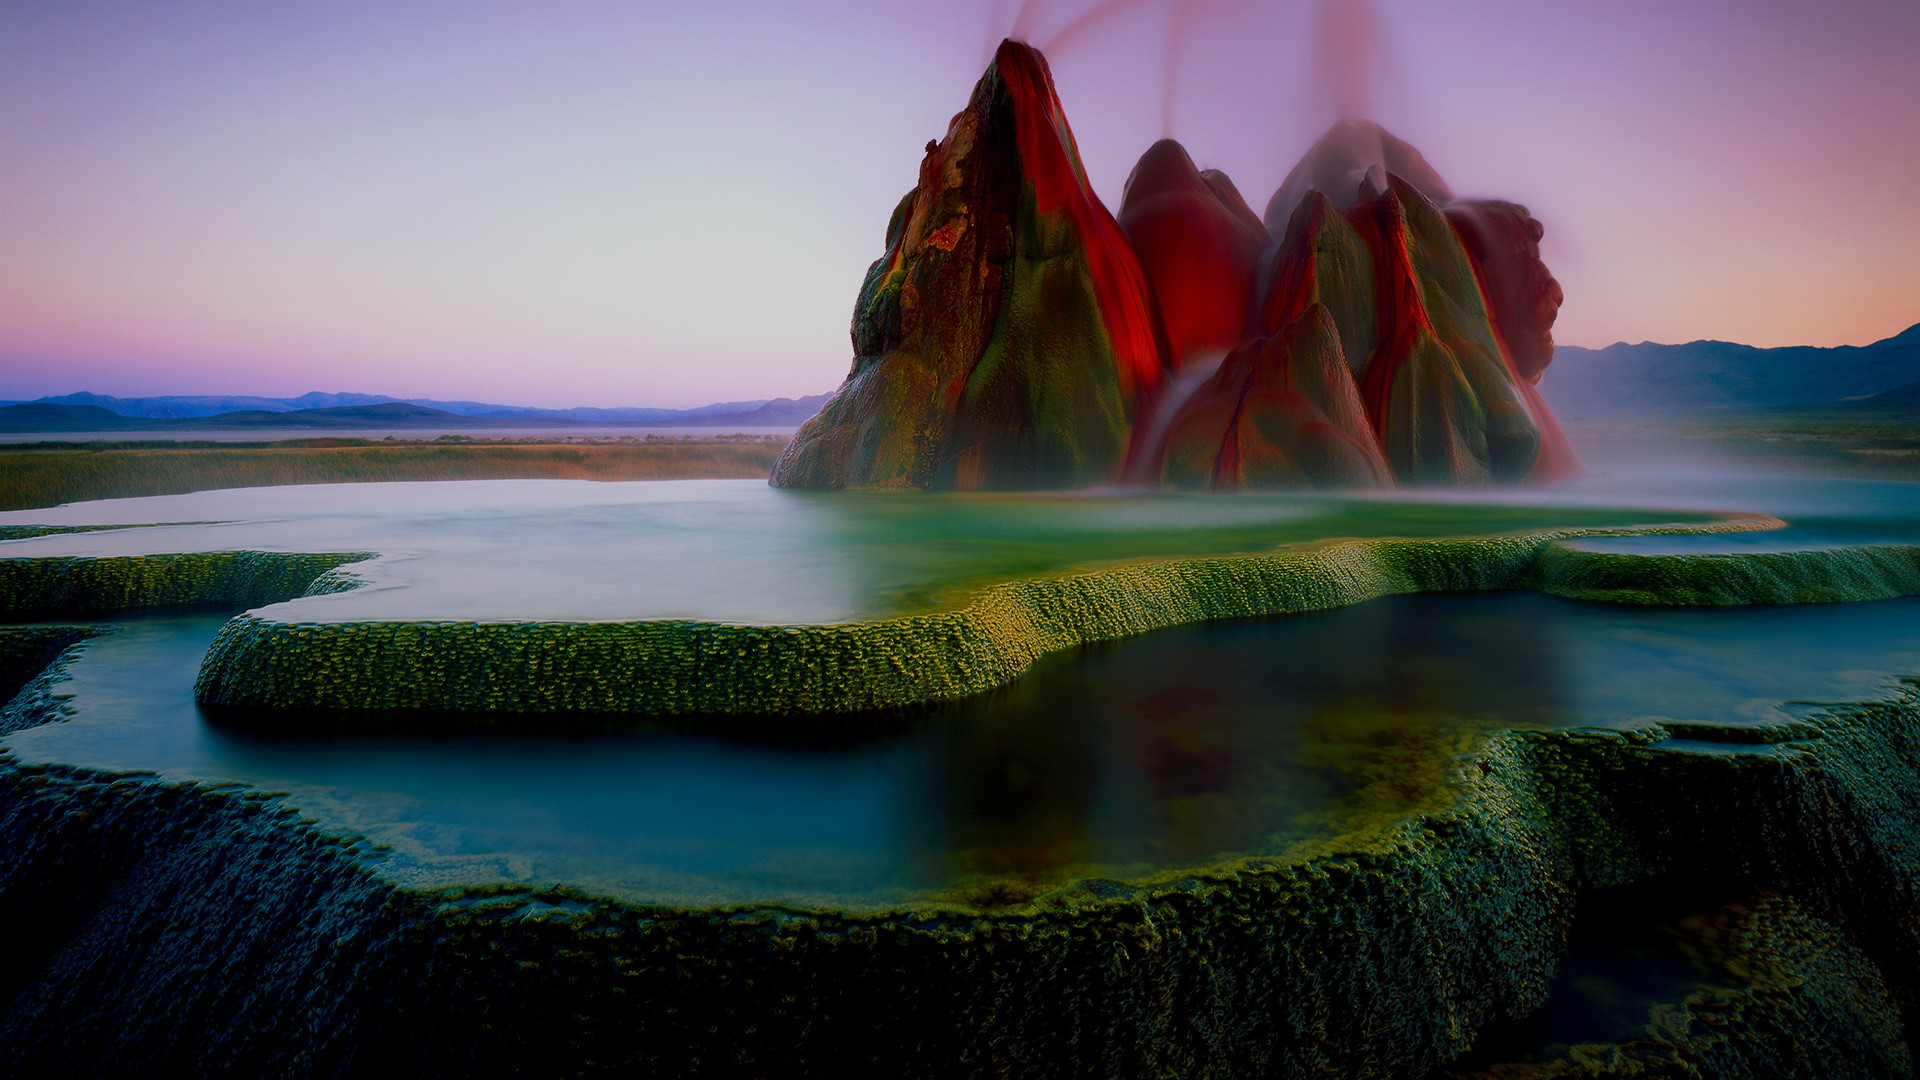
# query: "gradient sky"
673 203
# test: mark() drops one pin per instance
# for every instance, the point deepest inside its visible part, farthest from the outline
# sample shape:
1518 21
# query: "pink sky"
671 204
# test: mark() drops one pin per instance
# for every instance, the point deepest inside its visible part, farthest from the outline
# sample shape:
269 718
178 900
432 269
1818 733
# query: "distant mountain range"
1621 380
1704 377
162 415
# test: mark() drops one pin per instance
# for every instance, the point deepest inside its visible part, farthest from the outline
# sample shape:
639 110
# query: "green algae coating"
63 586
25 651
1826 576
1799 999
669 668
26 532
227 922
32 660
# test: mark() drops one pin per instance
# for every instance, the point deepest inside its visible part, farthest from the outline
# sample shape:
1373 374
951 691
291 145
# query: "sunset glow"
671 204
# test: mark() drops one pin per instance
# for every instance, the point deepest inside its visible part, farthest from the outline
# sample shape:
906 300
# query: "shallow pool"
1172 749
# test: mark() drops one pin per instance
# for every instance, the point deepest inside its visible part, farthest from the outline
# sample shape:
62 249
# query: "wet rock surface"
196 928
1664 978
209 928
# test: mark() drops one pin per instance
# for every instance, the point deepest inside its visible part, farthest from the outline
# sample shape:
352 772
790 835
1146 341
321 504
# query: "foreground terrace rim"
1280 954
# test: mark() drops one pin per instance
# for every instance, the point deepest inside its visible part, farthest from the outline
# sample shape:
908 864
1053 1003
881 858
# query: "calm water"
1121 760
730 550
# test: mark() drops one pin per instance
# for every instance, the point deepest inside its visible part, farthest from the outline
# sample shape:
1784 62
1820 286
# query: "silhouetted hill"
390 414
43 416
1903 400
84 412
1717 376
323 410
187 407
50 416
191 407
775 413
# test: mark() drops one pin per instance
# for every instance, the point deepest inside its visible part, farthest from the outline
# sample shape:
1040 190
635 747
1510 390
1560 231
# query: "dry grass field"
1884 447
47 474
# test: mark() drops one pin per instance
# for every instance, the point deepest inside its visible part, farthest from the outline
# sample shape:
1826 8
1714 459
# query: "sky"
664 203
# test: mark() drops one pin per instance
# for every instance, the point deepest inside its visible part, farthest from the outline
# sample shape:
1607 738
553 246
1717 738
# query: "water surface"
1123 760
732 550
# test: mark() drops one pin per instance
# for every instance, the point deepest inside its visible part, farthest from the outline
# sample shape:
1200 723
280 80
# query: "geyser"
1370 330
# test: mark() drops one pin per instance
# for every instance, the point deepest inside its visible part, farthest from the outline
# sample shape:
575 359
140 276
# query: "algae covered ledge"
684 667
1403 943
1388 951
63 586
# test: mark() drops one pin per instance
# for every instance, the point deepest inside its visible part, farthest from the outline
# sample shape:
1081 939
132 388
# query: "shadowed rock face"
1373 330
1007 337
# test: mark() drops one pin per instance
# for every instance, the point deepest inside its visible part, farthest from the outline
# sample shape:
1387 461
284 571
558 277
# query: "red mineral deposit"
1282 411
1007 338
1371 330
1504 242
1200 246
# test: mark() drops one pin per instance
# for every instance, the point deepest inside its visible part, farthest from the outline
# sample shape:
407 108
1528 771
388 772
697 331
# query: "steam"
1023 23
1063 39
1351 55
1179 22
1181 15
997 18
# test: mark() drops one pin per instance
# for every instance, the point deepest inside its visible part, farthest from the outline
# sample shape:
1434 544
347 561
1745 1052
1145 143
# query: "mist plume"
1350 54
1062 39
1181 16
1179 23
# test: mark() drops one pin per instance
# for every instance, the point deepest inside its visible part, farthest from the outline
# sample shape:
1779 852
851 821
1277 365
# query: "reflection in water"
1231 738
726 550
1135 757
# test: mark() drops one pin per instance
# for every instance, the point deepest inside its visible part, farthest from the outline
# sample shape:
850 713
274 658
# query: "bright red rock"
1282 411
1008 337
1503 241
1371 330
1200 246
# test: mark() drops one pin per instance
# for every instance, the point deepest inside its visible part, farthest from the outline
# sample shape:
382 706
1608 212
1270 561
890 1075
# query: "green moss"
64 586
1836 575
670 668
30 658
24 532
1380 953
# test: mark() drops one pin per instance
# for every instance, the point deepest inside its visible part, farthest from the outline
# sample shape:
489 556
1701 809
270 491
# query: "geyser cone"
1200 246
1503 241
1324 259
1349 164
1444 315
1282 411
1007 337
